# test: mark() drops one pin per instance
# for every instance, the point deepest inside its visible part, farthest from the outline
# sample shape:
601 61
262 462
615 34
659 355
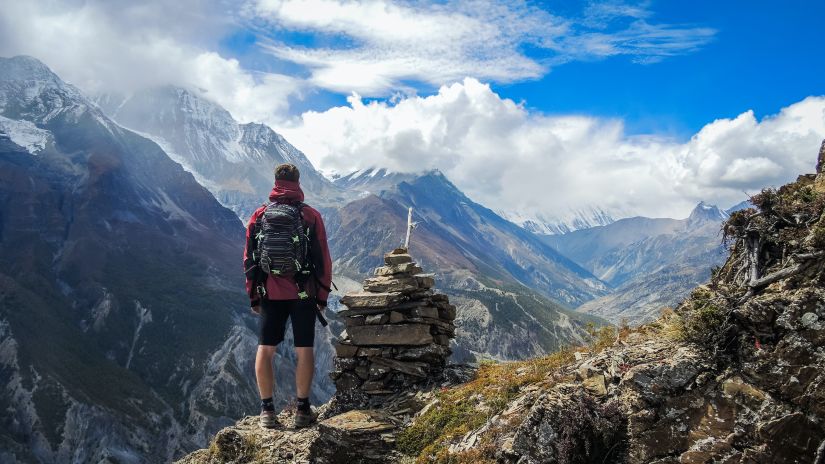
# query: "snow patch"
144 317
25 134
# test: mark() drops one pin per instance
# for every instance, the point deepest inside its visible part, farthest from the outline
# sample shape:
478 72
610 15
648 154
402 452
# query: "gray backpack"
283 242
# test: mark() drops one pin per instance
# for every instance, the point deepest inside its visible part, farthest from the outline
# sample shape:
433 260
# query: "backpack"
283 242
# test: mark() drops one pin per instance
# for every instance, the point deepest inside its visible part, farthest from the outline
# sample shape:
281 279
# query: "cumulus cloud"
388 43
507 157
121 46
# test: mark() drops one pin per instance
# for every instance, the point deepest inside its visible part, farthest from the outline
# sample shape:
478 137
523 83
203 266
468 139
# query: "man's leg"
273 323
303 328
263 370
304 371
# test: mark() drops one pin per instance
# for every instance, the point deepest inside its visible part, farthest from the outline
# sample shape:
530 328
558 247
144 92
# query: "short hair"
287 171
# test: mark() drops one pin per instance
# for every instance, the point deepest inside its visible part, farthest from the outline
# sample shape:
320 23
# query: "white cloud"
505 156
120 46
387 43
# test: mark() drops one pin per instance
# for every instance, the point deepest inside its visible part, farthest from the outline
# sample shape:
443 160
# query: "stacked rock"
398 330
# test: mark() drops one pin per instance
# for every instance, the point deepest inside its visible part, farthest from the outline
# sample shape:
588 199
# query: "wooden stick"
409 229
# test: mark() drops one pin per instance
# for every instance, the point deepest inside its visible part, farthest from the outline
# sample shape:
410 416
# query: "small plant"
600 337
702 319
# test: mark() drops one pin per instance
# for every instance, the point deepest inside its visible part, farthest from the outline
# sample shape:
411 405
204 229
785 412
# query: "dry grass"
469 406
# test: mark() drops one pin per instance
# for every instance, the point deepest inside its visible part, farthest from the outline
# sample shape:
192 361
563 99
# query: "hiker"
288 274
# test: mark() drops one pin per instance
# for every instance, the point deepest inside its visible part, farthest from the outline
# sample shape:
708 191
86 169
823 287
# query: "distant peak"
25 67
706 212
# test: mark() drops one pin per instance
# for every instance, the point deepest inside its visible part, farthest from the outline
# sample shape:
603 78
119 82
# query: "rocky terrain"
736 374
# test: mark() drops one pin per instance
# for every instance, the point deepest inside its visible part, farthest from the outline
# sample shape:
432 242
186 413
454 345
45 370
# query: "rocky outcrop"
736 374
398 331
819 183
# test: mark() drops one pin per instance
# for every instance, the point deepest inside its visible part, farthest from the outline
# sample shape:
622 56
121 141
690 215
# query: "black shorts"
274 314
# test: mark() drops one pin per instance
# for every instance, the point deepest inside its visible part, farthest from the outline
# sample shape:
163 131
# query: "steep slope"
234 161
735 375
123 333
505 281
651 263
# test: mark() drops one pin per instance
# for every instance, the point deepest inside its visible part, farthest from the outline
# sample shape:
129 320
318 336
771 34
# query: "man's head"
287 172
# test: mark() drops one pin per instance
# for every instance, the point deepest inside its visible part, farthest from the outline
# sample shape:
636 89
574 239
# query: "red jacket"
285 288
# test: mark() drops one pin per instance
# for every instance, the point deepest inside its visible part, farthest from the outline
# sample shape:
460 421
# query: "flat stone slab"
430 353
398 334
371 300
345 351
415 369
391 284
425 280
391 259
357 422
403 268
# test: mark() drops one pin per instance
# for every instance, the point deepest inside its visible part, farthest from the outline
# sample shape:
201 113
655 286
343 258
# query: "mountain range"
234 161
124 332
649 263
474 249
119 284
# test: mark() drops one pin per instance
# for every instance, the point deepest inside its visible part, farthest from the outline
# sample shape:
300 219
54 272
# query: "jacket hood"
286 191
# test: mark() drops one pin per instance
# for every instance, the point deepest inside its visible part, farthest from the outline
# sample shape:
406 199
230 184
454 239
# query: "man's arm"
250 264
323 268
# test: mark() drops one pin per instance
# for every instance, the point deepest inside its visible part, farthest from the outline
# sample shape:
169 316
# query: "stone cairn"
398 330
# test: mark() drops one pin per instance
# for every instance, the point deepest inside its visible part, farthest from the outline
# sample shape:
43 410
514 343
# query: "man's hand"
256 310
320 307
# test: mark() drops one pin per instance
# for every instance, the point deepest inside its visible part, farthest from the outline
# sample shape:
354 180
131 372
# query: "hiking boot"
269 420
304 418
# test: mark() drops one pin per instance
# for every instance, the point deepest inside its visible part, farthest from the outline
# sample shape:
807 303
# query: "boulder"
447 313
345 350
354 436
425 281
347 381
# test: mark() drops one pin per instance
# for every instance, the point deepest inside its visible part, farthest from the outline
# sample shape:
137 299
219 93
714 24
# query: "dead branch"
803 256
778 275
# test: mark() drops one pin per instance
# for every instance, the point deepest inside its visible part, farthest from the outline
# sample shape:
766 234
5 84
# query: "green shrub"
702 319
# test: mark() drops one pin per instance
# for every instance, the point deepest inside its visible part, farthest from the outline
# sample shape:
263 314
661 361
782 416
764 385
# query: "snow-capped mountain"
561 223
124 330
234 161
374 180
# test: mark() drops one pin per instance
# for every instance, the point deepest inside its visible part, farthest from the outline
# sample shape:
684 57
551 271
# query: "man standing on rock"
288 274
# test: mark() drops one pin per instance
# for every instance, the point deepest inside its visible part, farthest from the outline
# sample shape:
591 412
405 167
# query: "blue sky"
630 107
762 56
